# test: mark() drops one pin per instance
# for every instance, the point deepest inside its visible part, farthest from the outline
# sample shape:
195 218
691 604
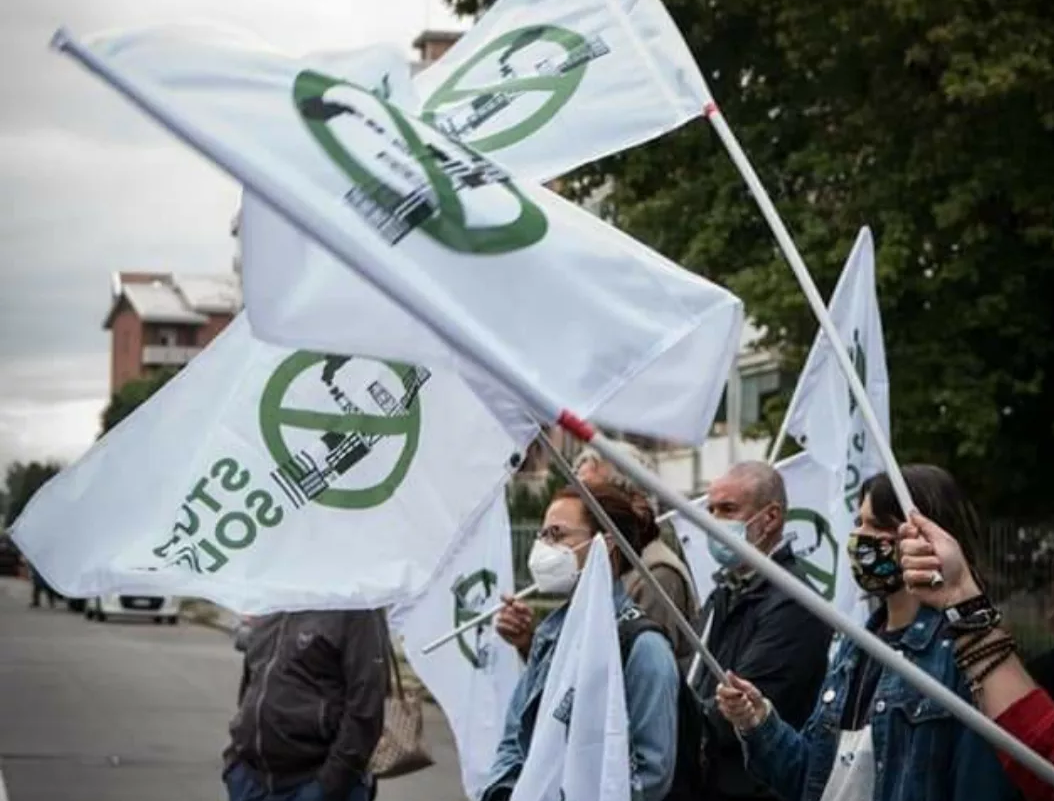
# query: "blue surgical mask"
722 554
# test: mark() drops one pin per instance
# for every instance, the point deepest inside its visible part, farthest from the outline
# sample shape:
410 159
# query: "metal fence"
1017 562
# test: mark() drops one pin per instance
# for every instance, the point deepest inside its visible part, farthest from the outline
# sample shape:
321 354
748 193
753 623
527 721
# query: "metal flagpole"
812 294
634 558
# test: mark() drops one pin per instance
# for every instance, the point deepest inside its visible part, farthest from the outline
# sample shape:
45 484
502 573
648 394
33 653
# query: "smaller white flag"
544 86
473 677
823 417
580 745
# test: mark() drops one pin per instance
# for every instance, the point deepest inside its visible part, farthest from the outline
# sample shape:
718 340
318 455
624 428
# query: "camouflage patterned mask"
874 563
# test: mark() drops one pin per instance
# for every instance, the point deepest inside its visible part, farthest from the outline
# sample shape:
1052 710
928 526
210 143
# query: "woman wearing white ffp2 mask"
650 673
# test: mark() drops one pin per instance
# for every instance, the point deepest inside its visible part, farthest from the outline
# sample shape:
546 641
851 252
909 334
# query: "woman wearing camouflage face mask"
872 736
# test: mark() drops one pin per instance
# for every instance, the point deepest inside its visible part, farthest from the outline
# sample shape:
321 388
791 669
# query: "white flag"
828 425
510 267
580 744
473 677
544 86
822 416
823 482
265 479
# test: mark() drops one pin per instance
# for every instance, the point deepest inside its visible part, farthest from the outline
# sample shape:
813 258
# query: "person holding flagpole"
872 735
651 677
985 650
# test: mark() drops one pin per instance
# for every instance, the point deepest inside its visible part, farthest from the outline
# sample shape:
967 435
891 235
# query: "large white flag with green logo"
472 678
263 478
544 86
823 481
601 323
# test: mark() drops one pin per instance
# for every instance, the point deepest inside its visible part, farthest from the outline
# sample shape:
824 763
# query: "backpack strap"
631 624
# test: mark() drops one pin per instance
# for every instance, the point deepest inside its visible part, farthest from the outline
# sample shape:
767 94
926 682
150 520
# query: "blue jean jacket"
921 752
651 682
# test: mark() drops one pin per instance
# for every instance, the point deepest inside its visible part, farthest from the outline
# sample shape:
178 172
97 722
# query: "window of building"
755 390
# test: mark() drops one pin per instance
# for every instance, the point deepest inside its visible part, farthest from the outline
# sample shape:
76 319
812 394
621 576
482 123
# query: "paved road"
134 712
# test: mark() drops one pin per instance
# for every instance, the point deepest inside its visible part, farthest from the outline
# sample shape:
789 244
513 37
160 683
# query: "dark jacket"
313 707
772 641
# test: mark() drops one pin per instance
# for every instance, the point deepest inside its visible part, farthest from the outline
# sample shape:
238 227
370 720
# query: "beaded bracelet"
977 655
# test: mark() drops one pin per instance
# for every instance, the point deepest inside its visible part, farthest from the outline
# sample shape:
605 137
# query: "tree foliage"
21 483
932 121
131 396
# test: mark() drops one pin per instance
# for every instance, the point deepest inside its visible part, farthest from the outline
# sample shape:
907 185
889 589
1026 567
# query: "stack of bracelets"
980 647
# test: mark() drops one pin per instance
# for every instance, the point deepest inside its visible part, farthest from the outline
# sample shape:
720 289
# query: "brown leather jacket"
313 705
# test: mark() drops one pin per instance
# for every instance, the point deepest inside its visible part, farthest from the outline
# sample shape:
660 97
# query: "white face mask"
554 568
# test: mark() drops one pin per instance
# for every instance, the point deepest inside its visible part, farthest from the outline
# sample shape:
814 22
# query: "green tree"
932 121
131 396
22 482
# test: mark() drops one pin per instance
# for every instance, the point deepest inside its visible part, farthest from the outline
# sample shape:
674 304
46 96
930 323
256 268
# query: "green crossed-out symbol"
559 87
825 579
275 417
463 612
448 224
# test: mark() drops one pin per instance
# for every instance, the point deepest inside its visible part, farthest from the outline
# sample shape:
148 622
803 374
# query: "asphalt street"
129 711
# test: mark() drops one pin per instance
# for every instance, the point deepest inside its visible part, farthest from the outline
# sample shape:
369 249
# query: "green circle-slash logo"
406 176
324 420
818 553
460 111
472 593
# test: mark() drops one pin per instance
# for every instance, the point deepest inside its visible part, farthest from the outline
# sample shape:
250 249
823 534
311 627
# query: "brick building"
432 45
160 320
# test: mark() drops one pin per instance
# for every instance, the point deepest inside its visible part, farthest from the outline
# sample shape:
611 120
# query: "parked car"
10 558
160 610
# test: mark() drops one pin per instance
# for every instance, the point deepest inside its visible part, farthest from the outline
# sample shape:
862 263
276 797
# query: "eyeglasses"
557 534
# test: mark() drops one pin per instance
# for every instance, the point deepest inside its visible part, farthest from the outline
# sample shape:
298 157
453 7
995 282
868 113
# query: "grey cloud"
91 186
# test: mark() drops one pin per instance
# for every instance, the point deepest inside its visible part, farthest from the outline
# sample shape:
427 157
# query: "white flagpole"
812 294
484 616
279 187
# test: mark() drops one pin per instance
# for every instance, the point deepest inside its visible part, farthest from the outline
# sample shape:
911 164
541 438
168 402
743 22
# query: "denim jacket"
921 752
651 683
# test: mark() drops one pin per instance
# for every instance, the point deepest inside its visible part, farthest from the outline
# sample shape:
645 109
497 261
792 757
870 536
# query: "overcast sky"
89 187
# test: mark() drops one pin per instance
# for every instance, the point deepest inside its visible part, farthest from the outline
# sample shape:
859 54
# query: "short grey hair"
766 482
590 454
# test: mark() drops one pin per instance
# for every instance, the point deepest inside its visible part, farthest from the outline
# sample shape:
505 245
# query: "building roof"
175 299
210 294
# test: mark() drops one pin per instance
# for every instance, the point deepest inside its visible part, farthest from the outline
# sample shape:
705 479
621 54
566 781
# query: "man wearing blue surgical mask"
755 629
